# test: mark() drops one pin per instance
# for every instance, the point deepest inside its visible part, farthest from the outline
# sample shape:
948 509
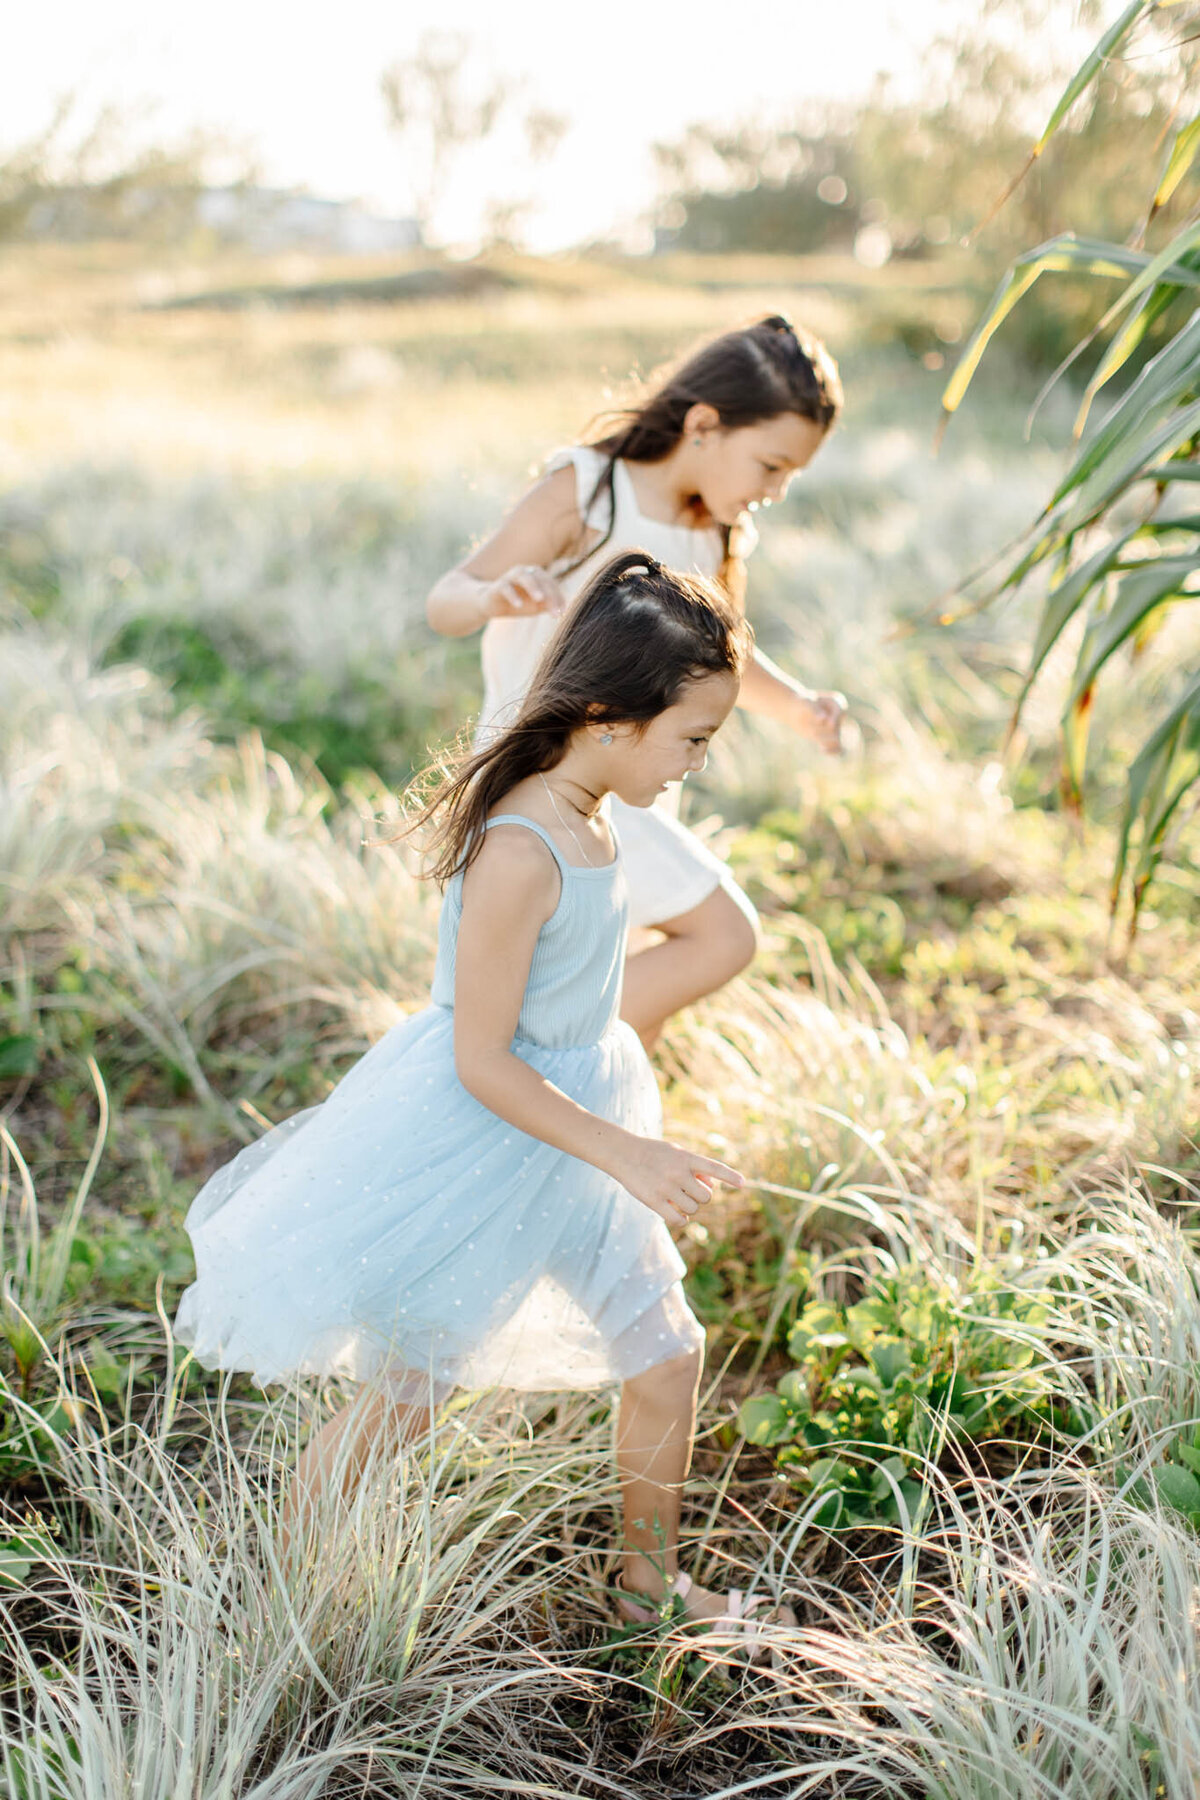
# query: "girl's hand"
821 718
673 1183
524 590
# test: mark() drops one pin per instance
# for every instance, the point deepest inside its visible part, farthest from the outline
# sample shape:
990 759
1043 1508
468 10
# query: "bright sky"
299 84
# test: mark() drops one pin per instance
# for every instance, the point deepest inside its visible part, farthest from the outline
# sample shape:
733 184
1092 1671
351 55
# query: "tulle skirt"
402 1229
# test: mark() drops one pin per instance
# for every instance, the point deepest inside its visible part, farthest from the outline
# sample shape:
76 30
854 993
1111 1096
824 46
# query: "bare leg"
655 1432
704 949
335 1457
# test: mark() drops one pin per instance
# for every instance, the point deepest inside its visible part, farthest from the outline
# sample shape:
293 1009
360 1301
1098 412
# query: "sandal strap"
738 1618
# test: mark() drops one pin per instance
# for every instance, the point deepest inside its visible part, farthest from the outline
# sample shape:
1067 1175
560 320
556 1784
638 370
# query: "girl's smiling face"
642 760
743 467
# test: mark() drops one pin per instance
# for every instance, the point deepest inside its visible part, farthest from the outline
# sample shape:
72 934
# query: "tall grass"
450 1638
204 672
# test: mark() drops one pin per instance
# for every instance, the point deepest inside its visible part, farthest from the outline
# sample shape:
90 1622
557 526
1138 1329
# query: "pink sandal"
737 1621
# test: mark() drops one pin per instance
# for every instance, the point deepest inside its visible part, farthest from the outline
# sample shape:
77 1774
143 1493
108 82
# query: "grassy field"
953 1400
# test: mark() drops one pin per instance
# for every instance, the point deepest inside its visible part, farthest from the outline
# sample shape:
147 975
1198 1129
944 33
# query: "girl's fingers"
529 589
719 1171
543 590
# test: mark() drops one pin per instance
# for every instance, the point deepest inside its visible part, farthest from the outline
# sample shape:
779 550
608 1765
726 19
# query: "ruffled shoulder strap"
590 465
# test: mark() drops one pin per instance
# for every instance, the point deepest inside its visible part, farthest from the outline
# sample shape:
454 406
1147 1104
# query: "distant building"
259 218
276 219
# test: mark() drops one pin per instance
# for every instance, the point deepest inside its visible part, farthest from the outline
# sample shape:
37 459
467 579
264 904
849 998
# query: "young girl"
484 1198
722 435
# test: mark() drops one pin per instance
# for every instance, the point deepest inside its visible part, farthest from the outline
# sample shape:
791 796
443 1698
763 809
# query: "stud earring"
697 441
606 737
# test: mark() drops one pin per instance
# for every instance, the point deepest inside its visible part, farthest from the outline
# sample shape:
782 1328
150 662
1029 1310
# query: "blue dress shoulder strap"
538 831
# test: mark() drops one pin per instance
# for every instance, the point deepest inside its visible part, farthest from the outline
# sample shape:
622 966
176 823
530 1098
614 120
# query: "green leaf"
1162 772
918 1321
793 1387
1015 284
1183 154
832 1471
18 1554
1167 380
820 1324
891 1359
1139 592
108 1375
1165 523
916 1498
18 1057
1178 1488
894 1467
1190 1455
1122 347
14 1568
829 1514
1165 266
1063 602
1091 66
1082 79
765 1420
1128 463
1063 255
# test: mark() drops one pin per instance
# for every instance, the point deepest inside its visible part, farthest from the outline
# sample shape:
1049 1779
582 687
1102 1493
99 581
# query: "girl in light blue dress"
484 1198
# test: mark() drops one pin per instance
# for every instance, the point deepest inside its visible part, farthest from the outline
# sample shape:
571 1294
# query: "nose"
698 761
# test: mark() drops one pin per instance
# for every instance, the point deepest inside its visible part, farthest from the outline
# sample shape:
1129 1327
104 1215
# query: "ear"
607 734
700 419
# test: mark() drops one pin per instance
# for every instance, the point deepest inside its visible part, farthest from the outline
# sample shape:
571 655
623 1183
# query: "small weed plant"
887 1385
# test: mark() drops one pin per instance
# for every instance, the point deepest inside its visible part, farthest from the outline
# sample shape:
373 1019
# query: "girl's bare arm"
772 694
506 576
509 892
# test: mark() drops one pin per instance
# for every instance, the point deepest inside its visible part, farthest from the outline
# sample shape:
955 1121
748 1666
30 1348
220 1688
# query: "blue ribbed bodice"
574 988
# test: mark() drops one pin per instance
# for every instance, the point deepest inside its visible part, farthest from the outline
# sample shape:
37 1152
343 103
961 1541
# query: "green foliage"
37 1266
349 727
1175 1481
885 1386
31 1432
21 1548
1138 459
925 171
18 1056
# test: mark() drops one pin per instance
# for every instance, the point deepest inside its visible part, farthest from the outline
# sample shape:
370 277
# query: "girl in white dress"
484 1197
676 476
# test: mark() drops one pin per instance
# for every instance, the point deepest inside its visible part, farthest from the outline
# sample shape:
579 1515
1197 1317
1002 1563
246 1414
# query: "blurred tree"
757 188
85 175
927 170
440 107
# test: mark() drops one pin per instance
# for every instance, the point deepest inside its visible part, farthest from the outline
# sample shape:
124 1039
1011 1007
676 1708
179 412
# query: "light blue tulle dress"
400 1228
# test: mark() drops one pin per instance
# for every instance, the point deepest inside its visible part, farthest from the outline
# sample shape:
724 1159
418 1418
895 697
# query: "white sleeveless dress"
668 870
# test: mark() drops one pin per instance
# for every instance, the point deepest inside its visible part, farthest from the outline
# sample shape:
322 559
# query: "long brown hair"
756 372
622 655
